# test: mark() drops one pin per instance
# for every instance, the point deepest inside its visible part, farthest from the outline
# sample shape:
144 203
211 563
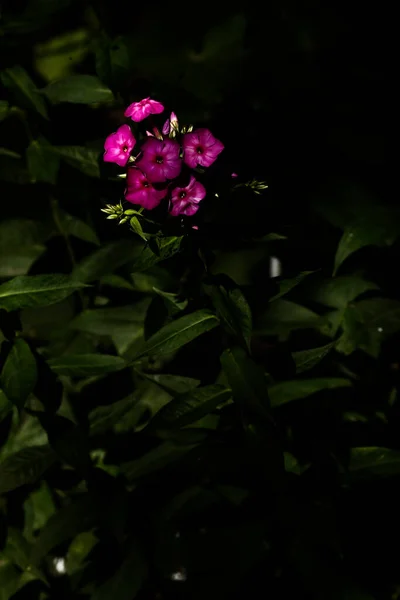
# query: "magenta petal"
138 111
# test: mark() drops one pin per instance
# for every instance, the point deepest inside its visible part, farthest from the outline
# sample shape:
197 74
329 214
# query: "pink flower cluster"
161 167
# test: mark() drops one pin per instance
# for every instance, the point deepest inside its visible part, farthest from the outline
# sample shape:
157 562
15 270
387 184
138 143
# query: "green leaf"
29 291
286 391
376 226
286 285
283 316
81 158
18 81
19 373
173 302
71 225
86 365
21 244
9 153
178 333
4 110
105 260
9 579
188 408
307 359
127 581
43 164
25 466
233 310
81 515
137 228
367 323
57 57
124 325
38 508
173 384
374 461
247 380
160 457
103 418
339 291
78 89
18 550
167 247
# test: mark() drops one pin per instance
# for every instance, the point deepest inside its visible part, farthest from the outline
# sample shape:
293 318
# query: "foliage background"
274 462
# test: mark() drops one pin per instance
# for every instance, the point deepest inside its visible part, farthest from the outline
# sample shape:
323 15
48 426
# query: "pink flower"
141 191
171 125
160 159
118 146
185 200
138 111
201 148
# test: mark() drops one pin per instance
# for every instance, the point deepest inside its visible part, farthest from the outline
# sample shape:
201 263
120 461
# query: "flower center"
182 195
125 148
199 150
159 160
146 183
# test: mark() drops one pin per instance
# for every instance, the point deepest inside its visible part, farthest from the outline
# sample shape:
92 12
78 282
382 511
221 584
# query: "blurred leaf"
10 153
4 110
283 316
83 159
19 373
113 62
158 458
17 550
82 514
374 461
79 89
247 380
25 466
233 310
190 407
105 260
29 291
307 359
68 440
86 365
167 247
43 165
13 170
176 334
286 285
71 225
286 391
123 324
128 580
21 244
79 550
56 57
156 277
116 281
9 579
339 291
29 432
367 323
18 81
173 302
38 508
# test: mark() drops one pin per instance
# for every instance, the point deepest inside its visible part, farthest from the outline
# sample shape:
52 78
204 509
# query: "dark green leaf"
86 365
79 551
178 333
246 378
18 550
127 581
81 515
137 228
173 384
167 247
9 580
286 285
286 391
43 164
103 418
80 89
9 153
25 466
374 461
21 244
71 225
19 373
188 408
18 81
83 159
283 316
105 260
158 458
233 310
4 110
339 291
307 359
173 302
28 291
